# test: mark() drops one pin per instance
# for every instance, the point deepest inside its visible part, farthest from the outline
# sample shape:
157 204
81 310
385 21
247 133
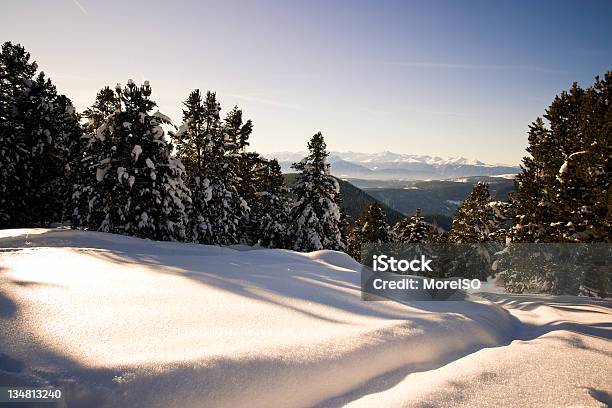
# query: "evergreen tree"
563 192
131 183
37 127
412 229
84 155
434 236
474 227
370 228
249 168
251 171
475 219
316 213
271 208
218 210
419 234
16 73
71 155
237 132
563 195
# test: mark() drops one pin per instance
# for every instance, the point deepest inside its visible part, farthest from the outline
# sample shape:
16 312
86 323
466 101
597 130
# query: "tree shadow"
600 395
573 306
8 307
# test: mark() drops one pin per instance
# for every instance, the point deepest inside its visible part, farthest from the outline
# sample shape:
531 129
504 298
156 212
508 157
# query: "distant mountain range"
394 166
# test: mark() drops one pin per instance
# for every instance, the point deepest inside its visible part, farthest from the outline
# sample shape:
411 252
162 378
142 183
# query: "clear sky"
448 78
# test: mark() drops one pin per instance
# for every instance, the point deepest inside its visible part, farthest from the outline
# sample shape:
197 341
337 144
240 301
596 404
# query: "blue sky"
448 78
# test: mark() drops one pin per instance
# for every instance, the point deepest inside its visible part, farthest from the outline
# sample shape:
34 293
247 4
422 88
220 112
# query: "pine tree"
316 214
16 73
563 194
248 167
370 228
218 210
132 184
250 170
71 155
420 235
474 227
84 156
434 236
37 126
412 229
271 208
475 219
237 132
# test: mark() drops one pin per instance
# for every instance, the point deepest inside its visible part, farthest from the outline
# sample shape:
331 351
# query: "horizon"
333 152
448 80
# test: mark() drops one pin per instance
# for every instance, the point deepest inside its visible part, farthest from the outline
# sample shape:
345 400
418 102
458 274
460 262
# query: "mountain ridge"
387 165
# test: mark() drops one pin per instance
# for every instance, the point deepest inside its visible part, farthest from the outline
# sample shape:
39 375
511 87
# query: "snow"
565 166
136 151
505 176
121 173
561 357
100 132
101 172
163 118
121 321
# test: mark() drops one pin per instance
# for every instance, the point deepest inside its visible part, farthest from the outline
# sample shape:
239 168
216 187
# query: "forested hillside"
354 200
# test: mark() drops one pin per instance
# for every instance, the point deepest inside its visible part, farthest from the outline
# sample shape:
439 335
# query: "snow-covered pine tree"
316 213
271 208
16 73
134 184
563 192
36 129
249 168
412 229
370 228
217 209
415 231
475 219
85 154
474 227
67 120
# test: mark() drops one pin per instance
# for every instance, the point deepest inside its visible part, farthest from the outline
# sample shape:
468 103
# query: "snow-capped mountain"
394 166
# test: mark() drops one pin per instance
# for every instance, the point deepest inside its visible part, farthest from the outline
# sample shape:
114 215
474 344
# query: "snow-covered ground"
124 322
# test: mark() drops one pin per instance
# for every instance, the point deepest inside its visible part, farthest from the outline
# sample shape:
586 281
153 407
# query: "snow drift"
119 321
